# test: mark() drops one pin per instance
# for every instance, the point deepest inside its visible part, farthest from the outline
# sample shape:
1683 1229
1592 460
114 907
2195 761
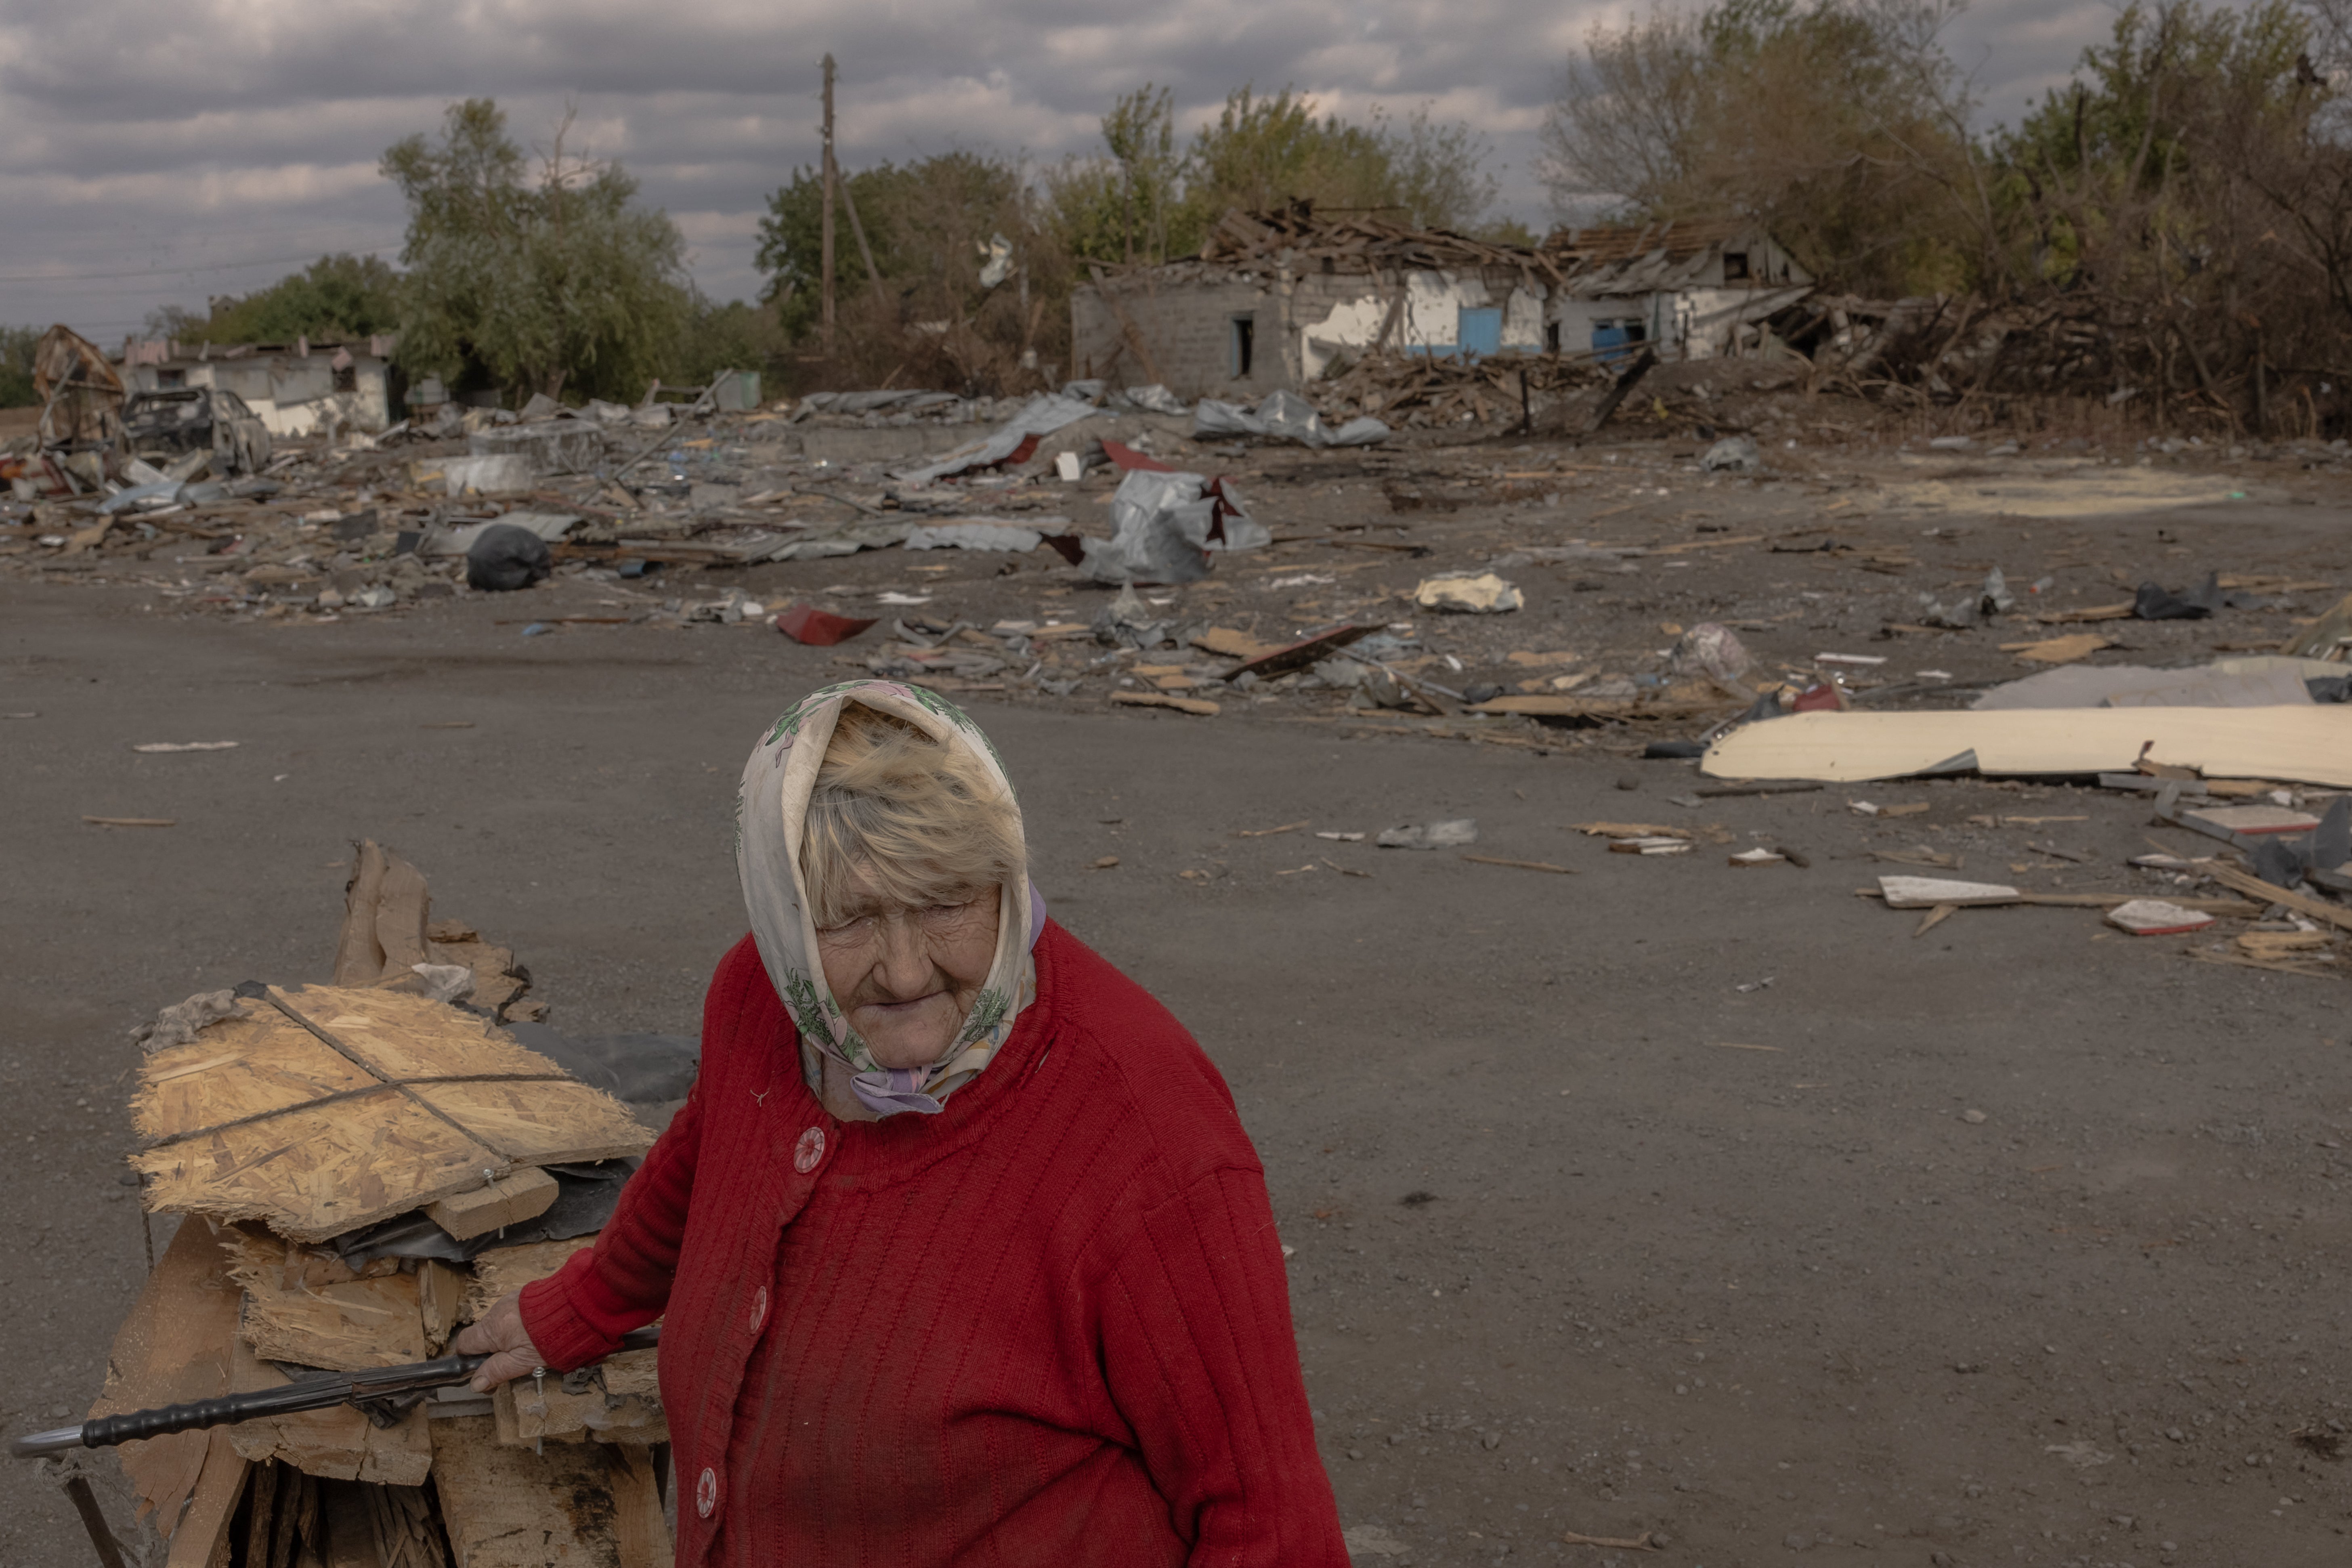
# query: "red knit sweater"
1049 1325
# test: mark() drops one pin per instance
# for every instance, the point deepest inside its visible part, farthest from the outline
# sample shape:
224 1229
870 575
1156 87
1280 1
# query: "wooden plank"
2303 745
173 1347
1541 706
339 1442
2264 893
511 1507
639 1530
526 1195
201 1540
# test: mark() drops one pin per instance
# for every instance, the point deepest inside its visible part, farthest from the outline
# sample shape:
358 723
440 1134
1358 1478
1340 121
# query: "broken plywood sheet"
511 1507
346 1325
320 1109
339 1441
2307 745
171 1349
502 1270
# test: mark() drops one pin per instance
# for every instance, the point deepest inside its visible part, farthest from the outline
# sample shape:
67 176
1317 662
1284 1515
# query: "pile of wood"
1297 235
280 1122
1424 392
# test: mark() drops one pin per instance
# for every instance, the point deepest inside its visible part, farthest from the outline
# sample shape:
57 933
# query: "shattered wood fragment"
320 1109
171 1349
339 1441
511 1507
201 1537
344 1326
1200 707
503 1271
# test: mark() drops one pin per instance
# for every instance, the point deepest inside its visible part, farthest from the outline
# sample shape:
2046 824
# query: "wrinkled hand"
501 1335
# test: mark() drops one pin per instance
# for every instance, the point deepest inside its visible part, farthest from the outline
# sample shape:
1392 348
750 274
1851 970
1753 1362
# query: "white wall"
296 404
1432 315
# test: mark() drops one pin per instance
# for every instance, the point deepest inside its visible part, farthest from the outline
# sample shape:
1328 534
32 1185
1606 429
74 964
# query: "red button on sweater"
1047 1326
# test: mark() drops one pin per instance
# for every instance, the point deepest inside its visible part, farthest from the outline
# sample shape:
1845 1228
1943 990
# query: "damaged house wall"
1688 291
296 389
1277 298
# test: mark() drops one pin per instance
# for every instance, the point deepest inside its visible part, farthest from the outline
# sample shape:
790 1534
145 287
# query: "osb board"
311 1174
2310 744
502 1270
510 1507
172 1347
254 1061
346 1326
404 1037
241 1131
339 1441
542 1123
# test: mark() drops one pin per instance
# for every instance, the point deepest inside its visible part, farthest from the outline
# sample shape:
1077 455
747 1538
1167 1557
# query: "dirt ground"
1664 1196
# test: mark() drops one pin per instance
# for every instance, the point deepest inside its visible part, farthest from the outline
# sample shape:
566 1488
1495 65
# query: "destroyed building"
299 388
1689 291
1276 299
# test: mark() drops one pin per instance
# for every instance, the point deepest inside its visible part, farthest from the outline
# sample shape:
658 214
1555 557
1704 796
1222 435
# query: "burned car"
161 425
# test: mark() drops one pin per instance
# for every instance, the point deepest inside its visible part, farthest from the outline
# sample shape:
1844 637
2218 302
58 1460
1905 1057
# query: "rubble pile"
363 1167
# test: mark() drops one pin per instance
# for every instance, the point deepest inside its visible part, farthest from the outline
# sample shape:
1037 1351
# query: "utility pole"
831 181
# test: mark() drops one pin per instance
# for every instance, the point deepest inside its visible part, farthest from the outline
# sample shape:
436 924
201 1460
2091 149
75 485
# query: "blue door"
1480 331
1609 340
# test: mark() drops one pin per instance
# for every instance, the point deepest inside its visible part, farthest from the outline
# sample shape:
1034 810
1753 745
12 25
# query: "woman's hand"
501 1335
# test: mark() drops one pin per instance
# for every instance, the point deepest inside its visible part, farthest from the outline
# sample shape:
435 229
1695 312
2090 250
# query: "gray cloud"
217 143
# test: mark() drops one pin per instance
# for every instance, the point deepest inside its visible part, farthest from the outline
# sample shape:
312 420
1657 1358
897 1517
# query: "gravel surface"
1666 1196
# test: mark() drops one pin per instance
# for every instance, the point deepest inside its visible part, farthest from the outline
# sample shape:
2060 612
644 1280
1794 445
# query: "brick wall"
1186 328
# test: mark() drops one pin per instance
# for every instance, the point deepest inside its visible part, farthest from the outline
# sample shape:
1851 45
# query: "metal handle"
311 1393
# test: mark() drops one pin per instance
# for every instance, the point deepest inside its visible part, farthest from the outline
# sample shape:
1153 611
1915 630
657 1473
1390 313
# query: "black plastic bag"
506 556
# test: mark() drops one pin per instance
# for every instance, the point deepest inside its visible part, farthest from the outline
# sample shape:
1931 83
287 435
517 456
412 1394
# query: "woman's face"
907 977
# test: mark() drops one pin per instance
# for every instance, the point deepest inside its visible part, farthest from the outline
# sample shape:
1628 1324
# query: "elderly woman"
961 1251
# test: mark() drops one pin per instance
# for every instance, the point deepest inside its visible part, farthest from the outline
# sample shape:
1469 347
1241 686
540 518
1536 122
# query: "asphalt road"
1640 1199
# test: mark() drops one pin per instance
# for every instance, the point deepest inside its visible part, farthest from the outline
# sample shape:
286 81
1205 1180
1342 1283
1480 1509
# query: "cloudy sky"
158 153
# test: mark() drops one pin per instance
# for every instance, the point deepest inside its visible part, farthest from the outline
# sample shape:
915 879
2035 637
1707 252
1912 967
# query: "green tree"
2136 165
1261 152
334 299
1141 202
1839 125
16 345
554 280
929 223
715 337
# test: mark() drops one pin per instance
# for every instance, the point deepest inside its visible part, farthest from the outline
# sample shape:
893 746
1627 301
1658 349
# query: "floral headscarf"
771 811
